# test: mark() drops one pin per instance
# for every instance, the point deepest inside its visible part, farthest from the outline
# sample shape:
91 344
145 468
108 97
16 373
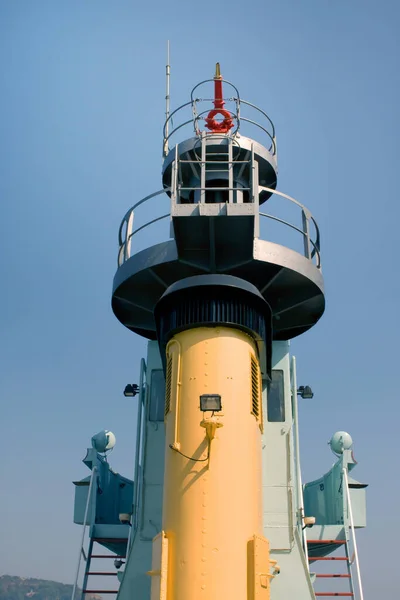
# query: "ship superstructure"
218 506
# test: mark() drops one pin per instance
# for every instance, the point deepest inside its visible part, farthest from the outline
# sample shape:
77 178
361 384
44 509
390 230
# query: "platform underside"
291 284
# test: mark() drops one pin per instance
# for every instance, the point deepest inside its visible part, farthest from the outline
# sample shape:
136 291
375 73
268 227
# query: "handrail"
139 415
262 112
303 233
311 246
147 224
307 216
273 143
171 115
283 222
346 479
196 116
129 212
83 531
299 485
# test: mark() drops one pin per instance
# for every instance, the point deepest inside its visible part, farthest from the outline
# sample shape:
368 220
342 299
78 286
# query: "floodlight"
131 390
210 402
305 392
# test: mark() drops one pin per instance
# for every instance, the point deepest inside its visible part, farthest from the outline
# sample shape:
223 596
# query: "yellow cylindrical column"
212 506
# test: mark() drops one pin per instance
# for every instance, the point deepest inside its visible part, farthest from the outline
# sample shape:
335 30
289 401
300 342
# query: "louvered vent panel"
168 386
255 389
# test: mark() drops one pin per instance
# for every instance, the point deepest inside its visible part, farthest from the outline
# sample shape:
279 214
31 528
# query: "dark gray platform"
291 284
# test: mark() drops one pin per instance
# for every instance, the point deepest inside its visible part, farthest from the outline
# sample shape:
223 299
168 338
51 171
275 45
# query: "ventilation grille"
168 386
255 389
203 311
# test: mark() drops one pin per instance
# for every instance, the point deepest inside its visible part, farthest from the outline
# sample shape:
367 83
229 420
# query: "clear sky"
81 115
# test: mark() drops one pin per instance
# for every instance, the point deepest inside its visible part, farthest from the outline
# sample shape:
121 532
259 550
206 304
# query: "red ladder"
89 572
334 576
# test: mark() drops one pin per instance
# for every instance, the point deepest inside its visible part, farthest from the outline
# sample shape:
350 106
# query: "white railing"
193 115
85 524
309 241
353 533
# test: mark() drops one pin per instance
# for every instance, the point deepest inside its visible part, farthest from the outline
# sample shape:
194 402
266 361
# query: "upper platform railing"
245 117
280 225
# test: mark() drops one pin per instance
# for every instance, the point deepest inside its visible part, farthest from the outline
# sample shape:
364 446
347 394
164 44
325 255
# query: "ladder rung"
106 556
328 558
332 575
326 541
100 573
100 591
334 593
110 540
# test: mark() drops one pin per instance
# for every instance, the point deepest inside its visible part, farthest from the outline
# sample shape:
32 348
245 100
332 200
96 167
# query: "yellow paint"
174 354
159 567
260 567
212 509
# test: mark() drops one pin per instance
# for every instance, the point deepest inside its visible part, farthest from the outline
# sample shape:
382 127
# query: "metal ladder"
89 555
348 575
350 537
88 572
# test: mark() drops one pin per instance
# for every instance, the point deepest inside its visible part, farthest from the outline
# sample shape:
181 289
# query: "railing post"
230 170
252 174
275 148
174 179
256 201
306 231
203 170
128 239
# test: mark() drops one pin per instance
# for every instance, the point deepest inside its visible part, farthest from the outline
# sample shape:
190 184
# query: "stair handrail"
299 485
353 533
85 523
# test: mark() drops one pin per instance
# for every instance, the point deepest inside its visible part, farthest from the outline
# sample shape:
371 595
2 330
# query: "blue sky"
81 105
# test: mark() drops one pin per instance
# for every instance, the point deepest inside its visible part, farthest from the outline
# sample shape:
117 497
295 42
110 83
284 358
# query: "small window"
276 398
157 396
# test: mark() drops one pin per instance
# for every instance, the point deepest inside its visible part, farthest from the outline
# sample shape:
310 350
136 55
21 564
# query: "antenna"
167 101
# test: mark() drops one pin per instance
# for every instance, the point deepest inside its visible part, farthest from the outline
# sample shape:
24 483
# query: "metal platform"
291 282
215 184
222 153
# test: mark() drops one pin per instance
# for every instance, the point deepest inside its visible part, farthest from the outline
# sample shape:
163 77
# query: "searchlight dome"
340 441
103 441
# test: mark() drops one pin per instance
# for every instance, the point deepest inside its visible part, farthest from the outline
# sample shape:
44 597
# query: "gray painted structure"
215 185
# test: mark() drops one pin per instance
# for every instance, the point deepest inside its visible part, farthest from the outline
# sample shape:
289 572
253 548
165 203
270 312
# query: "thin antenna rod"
167 102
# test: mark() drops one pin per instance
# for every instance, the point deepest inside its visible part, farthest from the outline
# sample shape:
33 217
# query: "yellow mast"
211 545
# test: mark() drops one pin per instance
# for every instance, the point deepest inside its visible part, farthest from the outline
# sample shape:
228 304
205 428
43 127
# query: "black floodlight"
210 402
305 392
131 389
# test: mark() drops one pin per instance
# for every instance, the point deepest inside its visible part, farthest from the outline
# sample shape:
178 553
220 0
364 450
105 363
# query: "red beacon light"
212 124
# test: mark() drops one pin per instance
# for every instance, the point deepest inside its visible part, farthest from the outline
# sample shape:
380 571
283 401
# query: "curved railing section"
308 229
127 232
304 224
192 115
